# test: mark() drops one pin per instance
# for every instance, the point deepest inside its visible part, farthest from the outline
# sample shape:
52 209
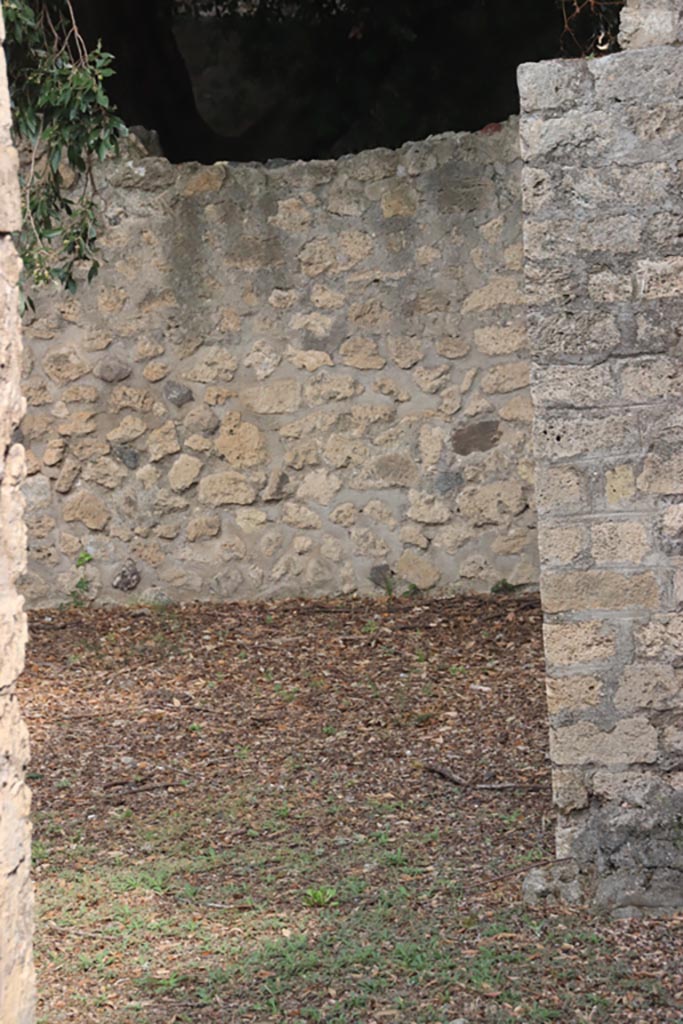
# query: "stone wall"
307 378
603 148
16 968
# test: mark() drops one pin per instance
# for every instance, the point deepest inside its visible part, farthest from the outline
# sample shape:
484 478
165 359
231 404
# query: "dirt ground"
310 811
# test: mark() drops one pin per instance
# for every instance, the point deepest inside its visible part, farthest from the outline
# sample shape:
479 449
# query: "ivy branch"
63 122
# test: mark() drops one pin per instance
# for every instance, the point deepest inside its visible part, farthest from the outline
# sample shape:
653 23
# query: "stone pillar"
602 144
16 898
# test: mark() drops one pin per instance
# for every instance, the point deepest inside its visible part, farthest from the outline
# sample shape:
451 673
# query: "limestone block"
274 397
564 434
452 347
412 534
64 365
620 484
354 247
572 693
431 379
202 419
198 443
314 324
501 340
427 508
661 474
569 643
504 290
215 365
308 359
319 486
452 537
631 741
560 544
291 216
306 453
344 514
54 451
298 515
451 400
649 685
263 359
405 352
155 371
672 739
317 256
123 396
104 471
431 442
619 541
80 393
368 542
129 429
399 201
418 570
203 525
226 488
362 353
36 392
148 348
643 26
671 526
163 441
505 377
250 519
332 548
392 470
206 179
391 388
240 444
327 298
341 451
569 790
575 386
278 486
232 548
85 507
282 298
662 637
381 512
76 425
492 503
579 590
184 472
475 567
327 387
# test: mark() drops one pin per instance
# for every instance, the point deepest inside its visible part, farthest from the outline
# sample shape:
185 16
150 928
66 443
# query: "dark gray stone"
112 370
128 576
476 437
448 481
278 486
128 456
381 576
177 394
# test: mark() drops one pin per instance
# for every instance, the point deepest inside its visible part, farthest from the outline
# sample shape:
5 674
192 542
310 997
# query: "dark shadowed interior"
319 78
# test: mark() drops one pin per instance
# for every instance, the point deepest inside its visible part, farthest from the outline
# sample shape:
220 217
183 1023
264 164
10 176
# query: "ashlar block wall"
602 143
16 970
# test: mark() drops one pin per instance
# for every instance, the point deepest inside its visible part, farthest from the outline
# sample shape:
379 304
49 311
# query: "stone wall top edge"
276 168
563 84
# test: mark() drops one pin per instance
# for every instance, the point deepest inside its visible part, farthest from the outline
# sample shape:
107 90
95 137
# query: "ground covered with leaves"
310 811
